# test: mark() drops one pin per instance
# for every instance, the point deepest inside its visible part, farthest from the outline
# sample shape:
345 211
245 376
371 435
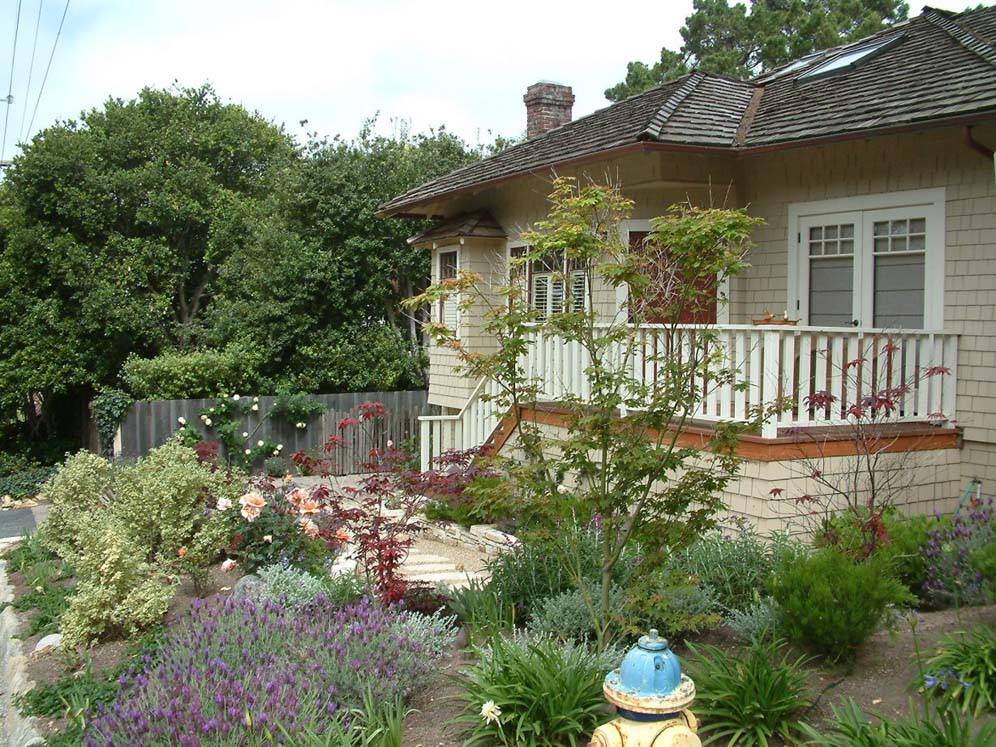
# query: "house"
872 167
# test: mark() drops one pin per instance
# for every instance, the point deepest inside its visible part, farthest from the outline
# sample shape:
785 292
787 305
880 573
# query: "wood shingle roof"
936 67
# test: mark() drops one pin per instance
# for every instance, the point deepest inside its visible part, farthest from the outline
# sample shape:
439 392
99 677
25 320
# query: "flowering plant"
280 522
238 669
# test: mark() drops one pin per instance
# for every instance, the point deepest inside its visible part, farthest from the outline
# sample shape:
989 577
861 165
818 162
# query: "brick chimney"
548 105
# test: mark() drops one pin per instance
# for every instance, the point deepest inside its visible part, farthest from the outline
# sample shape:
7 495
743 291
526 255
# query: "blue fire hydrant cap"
652 641
649 681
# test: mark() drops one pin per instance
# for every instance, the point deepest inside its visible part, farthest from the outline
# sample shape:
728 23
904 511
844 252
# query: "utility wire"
48 67
10 85
31 70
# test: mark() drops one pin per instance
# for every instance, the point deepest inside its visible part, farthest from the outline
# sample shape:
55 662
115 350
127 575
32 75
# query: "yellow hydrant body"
651 697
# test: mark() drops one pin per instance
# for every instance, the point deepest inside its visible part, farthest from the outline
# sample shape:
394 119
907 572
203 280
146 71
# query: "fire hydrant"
651 697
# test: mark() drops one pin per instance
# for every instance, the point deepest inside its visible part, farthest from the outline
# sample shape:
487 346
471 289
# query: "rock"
50 641
246 585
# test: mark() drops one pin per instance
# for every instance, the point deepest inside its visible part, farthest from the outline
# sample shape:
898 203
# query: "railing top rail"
784 328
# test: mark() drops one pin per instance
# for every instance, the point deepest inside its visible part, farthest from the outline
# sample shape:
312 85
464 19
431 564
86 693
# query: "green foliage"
963 671
109 409
117 591
25 484
295 408
983 561
549 693
756 623
287 585
52 699
114 229
735 41
46 601
733 567
482 608
193 374
126 530
568 615
28 552
941 728
832 603
674 604
901 542
751 698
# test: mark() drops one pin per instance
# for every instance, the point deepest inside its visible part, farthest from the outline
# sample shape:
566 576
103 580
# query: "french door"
871 268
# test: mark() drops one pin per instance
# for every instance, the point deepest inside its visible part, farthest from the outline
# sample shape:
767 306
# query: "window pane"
830 232
881 228
815 248
847 247
447 265
816 232
918 225
829 247
898 227
899 292
847 231
899 245
881 245
831 291
918 243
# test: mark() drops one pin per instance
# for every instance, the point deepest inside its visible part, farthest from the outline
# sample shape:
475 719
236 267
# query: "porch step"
438 570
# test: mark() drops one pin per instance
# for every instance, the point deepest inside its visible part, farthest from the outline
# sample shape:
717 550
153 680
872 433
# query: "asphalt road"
15 522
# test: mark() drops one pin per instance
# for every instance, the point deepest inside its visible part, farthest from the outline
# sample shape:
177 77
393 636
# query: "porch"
816 373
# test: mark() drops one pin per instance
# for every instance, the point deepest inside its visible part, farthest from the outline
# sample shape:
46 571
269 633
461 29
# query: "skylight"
850 58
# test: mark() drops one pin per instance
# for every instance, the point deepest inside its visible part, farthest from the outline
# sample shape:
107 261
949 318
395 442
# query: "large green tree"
113 230
325 276
740 42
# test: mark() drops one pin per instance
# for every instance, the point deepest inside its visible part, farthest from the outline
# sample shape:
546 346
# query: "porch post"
771 354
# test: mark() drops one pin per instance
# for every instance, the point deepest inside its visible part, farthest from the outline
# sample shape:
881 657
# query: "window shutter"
579 294
541 294
557 296
448 309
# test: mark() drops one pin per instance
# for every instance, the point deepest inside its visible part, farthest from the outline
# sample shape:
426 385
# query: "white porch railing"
469 428
793 365
779 363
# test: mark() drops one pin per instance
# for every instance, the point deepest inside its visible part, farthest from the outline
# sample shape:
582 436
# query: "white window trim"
437 270
933 201
622 293
510 246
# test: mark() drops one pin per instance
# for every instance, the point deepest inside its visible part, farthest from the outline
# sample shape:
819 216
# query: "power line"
10 85
48 67
31 70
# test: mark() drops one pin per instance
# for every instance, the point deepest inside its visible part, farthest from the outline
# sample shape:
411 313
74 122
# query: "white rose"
235 397
224 504
255 408
259 443
280 447
255 399
276 452
181 420
248 452
207 421
204 417
563 489
245 434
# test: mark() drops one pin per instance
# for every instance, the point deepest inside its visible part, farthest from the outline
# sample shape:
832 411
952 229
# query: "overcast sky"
464 64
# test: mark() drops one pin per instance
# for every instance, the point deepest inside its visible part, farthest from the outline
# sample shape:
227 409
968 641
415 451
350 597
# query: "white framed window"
449 311
875 261
550 284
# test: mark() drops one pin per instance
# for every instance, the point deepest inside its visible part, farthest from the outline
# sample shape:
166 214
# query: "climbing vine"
109 409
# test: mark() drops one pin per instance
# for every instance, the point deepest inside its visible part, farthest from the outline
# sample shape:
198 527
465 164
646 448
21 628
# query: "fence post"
771 353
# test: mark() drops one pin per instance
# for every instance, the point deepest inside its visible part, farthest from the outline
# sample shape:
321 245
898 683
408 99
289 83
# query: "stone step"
417 558
421 569
442 576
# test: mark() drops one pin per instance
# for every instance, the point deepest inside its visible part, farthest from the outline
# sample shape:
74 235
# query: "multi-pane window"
552 284
831 274
449 313
899 250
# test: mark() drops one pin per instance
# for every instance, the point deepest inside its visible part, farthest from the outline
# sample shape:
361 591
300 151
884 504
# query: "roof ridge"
653 128
967 37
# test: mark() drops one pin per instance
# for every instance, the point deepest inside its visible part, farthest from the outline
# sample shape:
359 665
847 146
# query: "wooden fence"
151 423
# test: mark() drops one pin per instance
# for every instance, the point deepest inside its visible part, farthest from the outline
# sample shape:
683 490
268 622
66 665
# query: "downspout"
971 142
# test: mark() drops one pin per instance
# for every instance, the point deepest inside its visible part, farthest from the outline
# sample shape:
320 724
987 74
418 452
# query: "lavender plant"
952 578
243 672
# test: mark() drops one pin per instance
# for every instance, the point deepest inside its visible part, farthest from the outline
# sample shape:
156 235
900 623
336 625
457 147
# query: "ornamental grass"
242 672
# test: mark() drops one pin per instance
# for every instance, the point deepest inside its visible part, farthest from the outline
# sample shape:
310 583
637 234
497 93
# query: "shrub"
26 483
117 591
943 728
482 607
963 671
237 668
672 603
189 375
832 603
757 623
951 576
734 567
750 697
287 585
128 530
568 615
295 408
544 693
109 408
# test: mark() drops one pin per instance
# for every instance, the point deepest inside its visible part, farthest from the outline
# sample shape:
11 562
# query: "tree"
619 458
112 233
730 40
324 271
